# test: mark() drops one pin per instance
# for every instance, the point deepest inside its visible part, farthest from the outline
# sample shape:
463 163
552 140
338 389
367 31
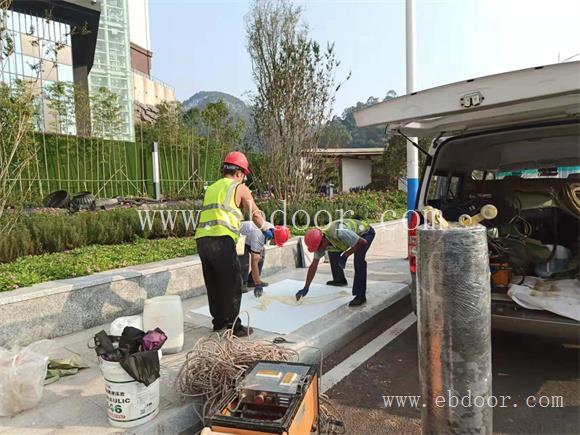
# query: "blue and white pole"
412 152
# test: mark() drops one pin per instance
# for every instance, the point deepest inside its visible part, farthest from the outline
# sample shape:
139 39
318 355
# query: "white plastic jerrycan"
166 313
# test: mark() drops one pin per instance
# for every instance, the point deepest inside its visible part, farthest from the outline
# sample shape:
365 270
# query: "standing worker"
341 238
216 236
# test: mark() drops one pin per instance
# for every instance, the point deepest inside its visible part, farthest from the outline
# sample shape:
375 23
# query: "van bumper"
507 316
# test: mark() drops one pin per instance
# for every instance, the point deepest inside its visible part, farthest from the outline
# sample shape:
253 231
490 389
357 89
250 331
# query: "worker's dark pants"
359 287
221 273
245 266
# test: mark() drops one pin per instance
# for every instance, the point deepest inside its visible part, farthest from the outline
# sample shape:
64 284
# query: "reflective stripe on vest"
331 233
219 214
234 211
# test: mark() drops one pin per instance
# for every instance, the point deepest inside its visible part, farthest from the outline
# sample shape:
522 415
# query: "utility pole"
412 152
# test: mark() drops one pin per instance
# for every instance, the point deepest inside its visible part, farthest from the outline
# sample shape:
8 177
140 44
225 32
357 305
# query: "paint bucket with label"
130 403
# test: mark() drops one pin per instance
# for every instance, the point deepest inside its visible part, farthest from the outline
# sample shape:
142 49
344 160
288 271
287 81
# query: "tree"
61 100
335 135
204 136
106 114
18 113
295 89
17 149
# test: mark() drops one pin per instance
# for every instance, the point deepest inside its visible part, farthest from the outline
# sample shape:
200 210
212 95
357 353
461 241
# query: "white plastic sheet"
277 310
561 297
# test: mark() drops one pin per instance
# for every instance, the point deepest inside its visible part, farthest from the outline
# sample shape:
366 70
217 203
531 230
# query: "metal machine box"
271 398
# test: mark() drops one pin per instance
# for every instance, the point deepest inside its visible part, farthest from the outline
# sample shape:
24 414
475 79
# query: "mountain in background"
237 108
340 132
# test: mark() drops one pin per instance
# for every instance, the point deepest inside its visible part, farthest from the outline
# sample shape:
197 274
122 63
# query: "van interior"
532 176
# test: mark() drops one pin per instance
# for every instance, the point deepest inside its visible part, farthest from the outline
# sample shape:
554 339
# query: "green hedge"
41 233
44 232
367 205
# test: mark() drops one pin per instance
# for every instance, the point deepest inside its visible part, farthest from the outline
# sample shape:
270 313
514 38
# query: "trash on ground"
22 373
57 368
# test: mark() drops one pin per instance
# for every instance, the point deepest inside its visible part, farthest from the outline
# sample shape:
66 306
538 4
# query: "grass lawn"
34 269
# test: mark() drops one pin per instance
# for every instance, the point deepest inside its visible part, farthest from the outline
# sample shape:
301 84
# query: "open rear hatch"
534 94
510 140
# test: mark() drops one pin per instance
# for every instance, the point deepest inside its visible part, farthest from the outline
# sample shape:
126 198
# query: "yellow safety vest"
220 216
331 233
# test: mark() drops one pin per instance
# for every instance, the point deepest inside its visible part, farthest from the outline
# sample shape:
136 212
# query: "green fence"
109 168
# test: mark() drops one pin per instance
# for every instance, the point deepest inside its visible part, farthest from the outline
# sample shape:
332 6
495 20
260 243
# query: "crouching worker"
252 260
341 239
255 252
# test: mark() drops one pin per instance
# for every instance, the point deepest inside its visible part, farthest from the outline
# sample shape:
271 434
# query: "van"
511 140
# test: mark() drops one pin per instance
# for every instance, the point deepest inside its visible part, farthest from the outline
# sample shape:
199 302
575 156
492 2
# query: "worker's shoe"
219 328
357 301
337 283
251 284
243 331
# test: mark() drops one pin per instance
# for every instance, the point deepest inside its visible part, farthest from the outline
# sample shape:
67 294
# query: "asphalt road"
522 367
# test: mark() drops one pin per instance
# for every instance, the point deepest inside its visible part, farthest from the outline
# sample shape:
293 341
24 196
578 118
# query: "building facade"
147 90
89 45
112 63
50 50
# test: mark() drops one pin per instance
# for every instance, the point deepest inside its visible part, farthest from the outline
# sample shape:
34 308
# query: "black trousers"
222 276
245 265
359 287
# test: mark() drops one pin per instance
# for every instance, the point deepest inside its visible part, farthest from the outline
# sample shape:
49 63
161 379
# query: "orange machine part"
501 274
305 419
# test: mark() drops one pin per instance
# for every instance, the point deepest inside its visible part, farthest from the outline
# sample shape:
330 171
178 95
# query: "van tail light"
414 222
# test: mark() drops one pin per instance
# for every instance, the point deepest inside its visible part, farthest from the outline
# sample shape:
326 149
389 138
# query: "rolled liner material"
454 325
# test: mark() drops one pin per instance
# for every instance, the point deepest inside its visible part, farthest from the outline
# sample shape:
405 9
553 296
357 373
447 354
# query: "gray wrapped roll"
454 327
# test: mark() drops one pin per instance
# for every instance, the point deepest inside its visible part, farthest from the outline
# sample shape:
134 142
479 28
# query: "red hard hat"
281 235
312 238
239 159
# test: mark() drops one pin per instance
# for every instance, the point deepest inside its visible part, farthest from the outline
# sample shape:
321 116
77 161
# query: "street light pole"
412 152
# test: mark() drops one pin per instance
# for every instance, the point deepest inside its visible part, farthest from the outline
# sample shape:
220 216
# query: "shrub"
367 205
47 232
41 233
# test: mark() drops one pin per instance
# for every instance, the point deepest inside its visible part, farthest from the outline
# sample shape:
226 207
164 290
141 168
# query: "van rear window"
556 172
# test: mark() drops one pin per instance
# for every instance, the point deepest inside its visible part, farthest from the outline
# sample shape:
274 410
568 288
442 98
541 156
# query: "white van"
512 140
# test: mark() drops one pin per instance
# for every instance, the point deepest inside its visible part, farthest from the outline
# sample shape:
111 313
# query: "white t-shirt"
254 237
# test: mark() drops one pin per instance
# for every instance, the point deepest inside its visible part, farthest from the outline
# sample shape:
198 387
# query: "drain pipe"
454 329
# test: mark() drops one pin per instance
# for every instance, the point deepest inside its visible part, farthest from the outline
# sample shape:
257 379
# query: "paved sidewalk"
77 404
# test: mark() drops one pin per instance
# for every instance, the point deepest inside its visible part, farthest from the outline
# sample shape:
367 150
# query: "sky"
200 45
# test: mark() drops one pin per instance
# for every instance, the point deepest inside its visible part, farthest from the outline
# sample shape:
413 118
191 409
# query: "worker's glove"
258 290
342 261
302 293
269 234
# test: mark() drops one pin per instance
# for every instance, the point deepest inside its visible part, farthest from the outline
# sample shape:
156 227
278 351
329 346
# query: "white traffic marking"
345 368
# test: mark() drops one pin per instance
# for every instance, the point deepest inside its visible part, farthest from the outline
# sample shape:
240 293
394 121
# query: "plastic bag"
22 373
